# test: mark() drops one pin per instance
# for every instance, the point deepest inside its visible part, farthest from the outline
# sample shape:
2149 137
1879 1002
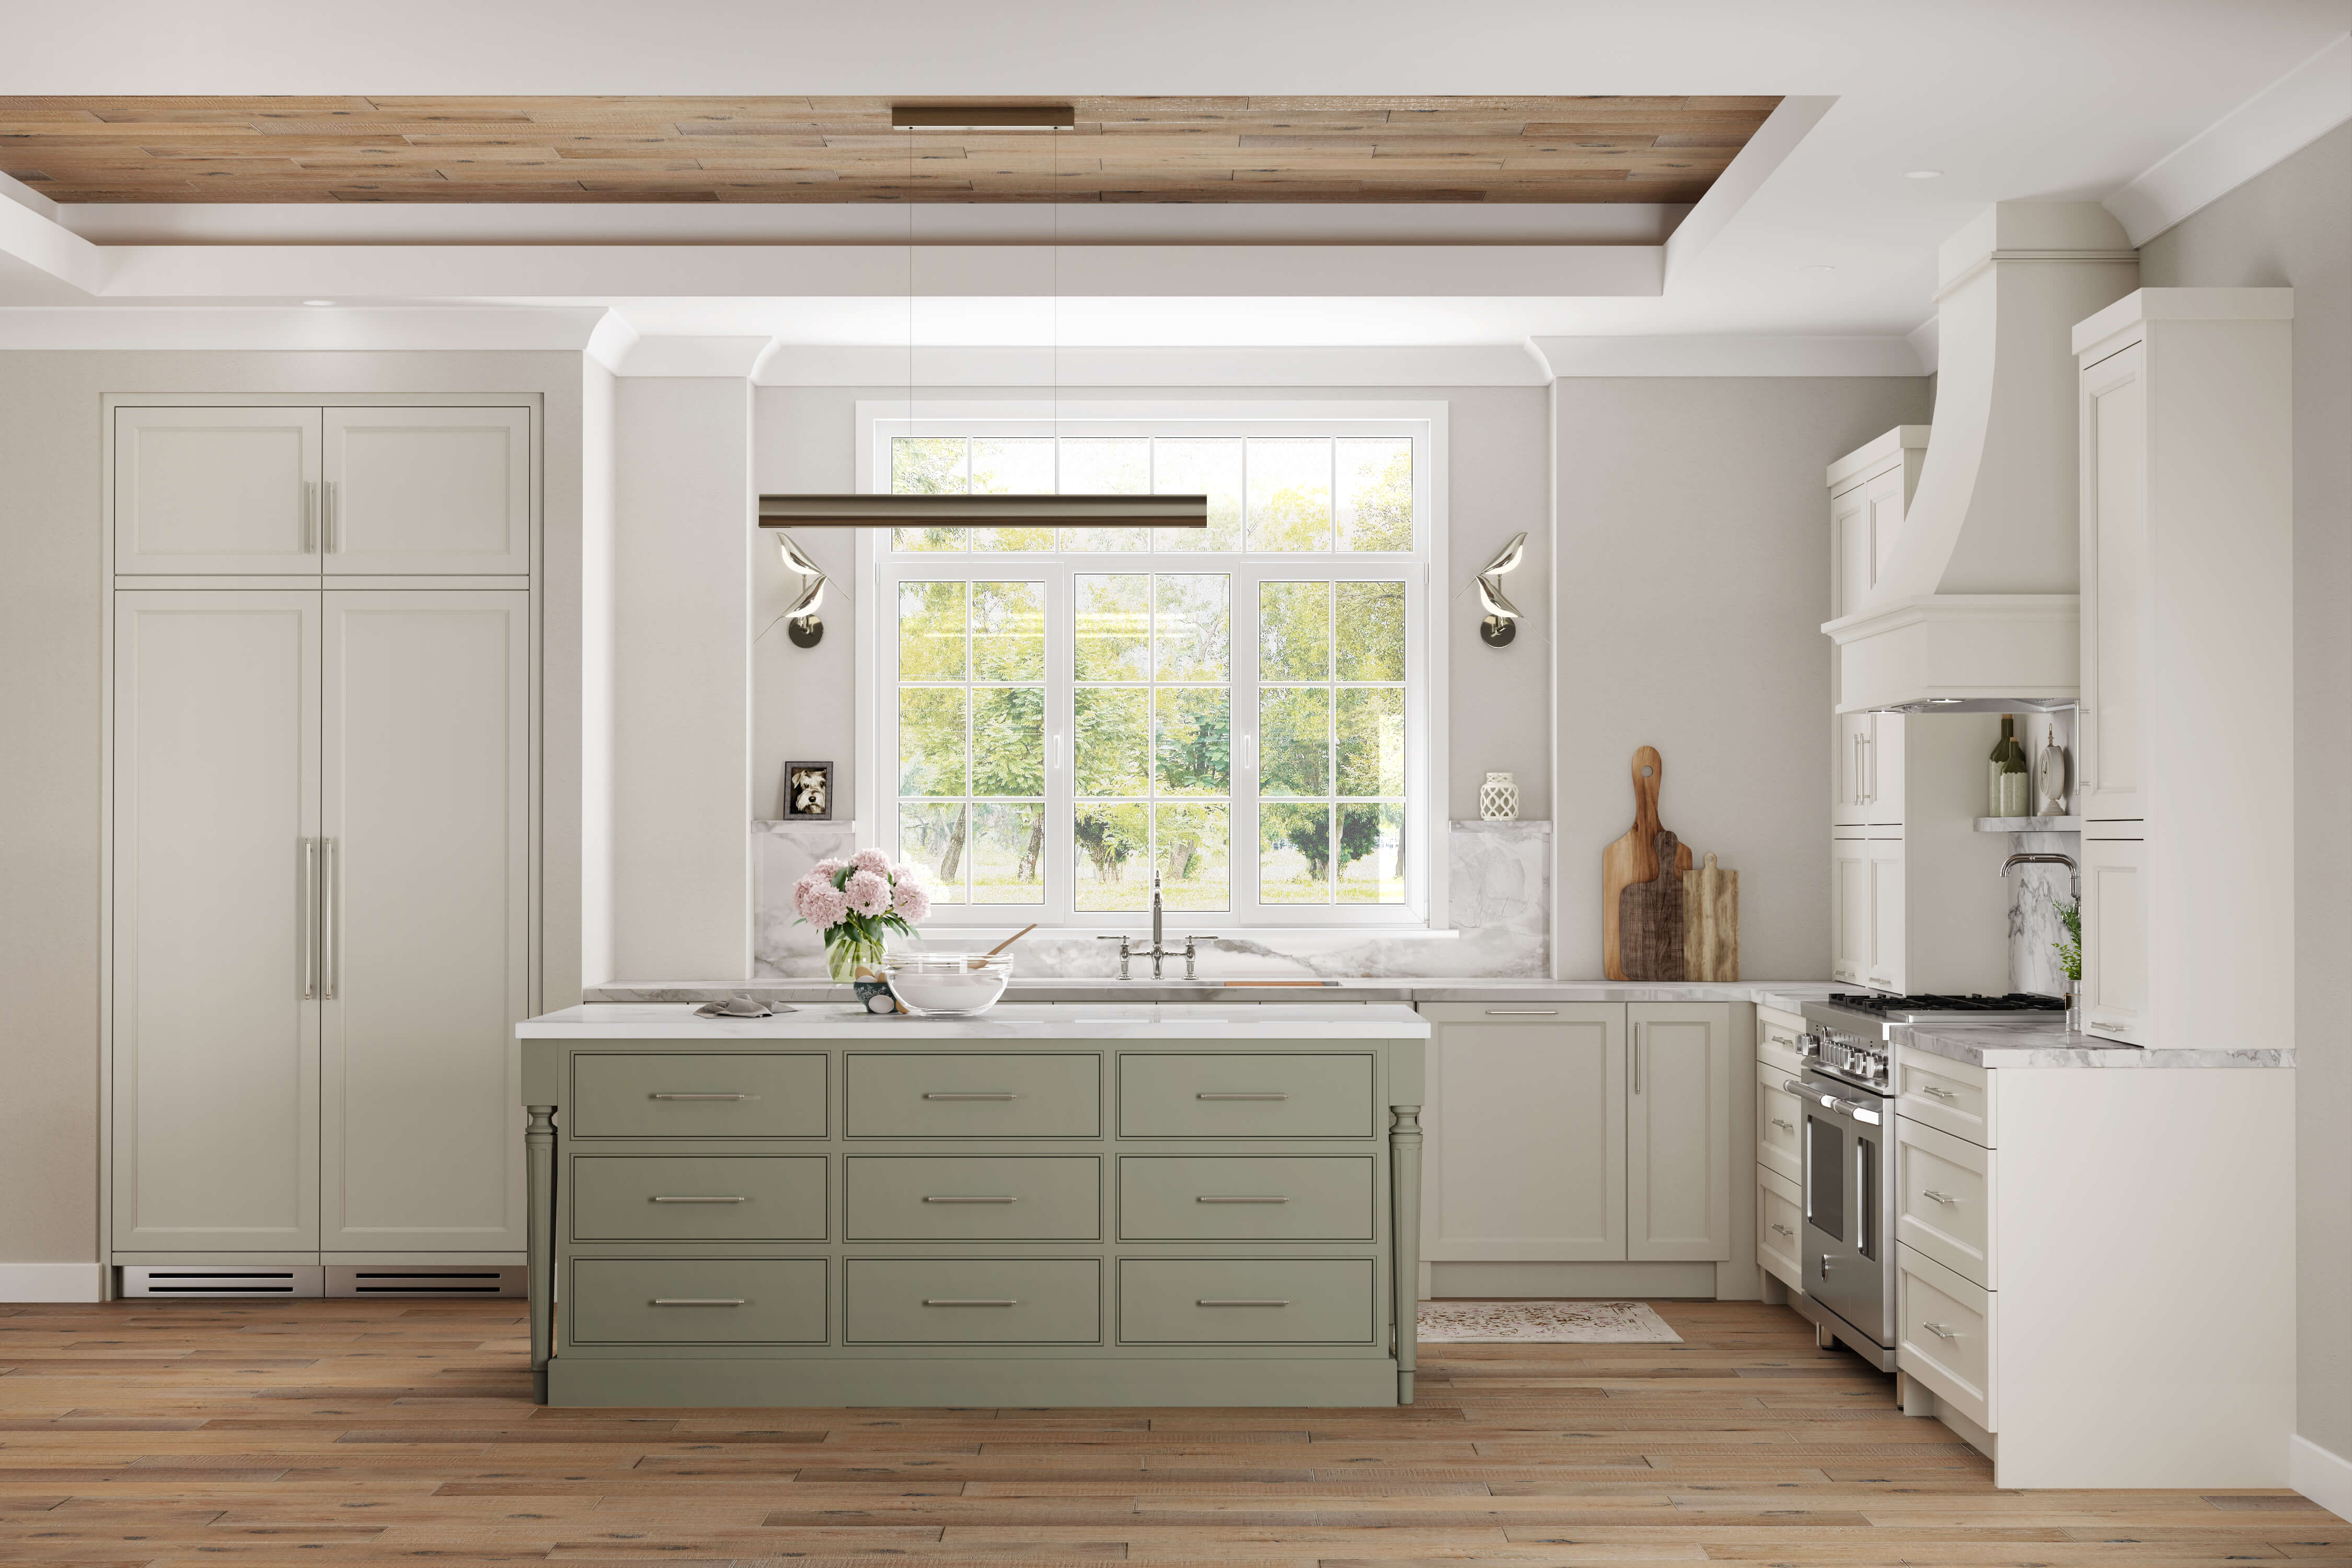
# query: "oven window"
1825 1175
1865 1195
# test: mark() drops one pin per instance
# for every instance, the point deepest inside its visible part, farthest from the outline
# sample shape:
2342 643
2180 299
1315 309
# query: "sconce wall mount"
1502 617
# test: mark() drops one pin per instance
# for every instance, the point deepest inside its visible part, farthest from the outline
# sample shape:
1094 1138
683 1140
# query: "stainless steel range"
1848 1091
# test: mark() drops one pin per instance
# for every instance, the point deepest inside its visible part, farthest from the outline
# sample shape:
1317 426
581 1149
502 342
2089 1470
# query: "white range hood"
1976 608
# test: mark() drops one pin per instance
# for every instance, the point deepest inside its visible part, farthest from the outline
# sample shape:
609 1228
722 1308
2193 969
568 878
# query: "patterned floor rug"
1544 1322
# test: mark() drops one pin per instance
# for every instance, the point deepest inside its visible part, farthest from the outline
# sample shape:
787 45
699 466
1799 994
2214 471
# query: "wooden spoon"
1008 942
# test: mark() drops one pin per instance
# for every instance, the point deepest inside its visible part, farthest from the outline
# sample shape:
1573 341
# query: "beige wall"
1693 555
51 705
2292 226
1497 486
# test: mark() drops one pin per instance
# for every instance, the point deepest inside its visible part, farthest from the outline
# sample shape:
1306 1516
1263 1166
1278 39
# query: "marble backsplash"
2034 929
1498 888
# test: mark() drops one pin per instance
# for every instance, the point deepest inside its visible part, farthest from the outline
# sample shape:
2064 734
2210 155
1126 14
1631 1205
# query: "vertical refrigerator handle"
331 963
309 918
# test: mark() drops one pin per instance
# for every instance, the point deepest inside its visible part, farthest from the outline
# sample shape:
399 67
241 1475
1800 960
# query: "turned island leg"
538 1149
1404 1174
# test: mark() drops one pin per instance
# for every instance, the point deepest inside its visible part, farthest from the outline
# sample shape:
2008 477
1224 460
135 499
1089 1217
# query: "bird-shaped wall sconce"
1502 622
801 622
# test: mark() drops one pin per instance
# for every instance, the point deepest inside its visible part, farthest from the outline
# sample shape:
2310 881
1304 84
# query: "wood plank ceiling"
842 150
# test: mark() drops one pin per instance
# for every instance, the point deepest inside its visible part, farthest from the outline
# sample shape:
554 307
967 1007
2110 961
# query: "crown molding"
1790 355
282 328
881 365
2275 123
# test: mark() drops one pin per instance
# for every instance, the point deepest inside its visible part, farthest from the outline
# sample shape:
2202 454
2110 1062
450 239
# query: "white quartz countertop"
1010 1021
2014 1048
1789 995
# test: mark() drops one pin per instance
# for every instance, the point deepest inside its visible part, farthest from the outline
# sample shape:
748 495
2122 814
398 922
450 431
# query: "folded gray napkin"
739 1007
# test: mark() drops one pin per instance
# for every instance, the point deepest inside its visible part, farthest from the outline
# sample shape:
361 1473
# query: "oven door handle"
1842 1107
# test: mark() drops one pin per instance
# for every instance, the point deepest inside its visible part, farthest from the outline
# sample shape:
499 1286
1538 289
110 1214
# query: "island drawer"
697 1300
978 1197
1246 1094
996 1094
717 1094
1245 1197
1944 1335
971 1300
1943 1199
698 1197
1246 1300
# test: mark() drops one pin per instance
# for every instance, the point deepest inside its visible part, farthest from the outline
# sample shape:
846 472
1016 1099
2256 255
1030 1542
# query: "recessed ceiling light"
1923 174
318 301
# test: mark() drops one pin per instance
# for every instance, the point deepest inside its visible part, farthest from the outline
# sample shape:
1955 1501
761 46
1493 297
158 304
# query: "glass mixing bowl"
947 985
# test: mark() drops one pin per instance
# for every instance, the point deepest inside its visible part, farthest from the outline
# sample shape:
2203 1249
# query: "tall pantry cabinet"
322 838
2187 726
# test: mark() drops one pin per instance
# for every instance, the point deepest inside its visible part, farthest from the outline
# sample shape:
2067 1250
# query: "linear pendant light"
970 511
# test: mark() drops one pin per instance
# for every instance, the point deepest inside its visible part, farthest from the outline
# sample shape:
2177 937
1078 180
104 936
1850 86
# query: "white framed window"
1245 709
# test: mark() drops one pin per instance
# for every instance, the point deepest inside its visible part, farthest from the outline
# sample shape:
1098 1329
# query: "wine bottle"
2012 784
1992 768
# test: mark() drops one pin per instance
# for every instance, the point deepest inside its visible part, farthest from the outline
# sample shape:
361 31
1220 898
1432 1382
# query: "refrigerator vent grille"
249 1281
266 1281
420 1283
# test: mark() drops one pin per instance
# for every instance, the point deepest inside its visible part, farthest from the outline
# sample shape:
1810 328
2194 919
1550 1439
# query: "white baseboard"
52 1282
2325 1477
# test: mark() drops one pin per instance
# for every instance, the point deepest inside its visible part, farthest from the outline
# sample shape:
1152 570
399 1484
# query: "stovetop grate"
1880 1006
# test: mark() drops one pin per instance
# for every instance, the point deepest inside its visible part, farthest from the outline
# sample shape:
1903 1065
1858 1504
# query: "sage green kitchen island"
1080 1203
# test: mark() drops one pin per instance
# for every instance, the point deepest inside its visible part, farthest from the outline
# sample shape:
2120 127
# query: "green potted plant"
2070 957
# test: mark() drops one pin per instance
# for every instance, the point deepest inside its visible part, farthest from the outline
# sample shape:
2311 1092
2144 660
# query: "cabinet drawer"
1779 1119
1951 1097
979 1197
1246 1300
697 1300
698 1197
971 1300
668 1094
911 1094
1244 1197
1944 1335
1243 1094
1779 1225
1943 1199
1776 1041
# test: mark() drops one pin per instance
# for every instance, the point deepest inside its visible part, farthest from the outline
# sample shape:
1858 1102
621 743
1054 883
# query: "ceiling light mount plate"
983 512
982 117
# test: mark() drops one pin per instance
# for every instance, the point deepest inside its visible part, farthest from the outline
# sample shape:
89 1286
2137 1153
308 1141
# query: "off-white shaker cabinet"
1577 1133
343 491
2187 574
322 896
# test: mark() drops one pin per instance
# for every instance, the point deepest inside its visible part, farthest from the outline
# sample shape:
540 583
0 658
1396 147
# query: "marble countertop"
1788 996
1006 1021
2014 1048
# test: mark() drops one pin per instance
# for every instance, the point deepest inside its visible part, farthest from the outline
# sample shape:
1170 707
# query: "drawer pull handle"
1206 1301
698 1301
1784 1231
692 1200
1523 1012
702 1097
958 1198
1939 1331
970 1094
1940 1197
1238 1198
1240 1094
1784 1126
1939 1093
961 1301
2105 1024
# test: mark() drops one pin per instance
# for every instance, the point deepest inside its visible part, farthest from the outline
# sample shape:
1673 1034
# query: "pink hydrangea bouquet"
856 903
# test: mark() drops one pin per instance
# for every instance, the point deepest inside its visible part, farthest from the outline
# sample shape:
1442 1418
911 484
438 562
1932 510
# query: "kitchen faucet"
2037 857
1159 949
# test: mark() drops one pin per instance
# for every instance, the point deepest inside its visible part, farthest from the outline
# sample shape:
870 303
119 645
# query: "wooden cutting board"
1633 857
1711 922
1651 940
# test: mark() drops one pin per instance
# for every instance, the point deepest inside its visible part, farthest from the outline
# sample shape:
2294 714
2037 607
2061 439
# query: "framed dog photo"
808 792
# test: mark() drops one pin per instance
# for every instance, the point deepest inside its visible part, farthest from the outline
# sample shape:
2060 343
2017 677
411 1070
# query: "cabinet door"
1848 909
1887 967
1846 804
215 490
1885 496
216 818
1882 770
1678 1132
427 818
428 490
2114 939
2115 587
1853 560
1526 1111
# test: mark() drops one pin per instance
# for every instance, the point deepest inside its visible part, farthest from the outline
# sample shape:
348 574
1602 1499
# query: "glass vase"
845 955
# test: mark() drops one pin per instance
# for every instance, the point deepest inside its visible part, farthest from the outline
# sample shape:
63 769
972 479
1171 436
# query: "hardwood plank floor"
181 1433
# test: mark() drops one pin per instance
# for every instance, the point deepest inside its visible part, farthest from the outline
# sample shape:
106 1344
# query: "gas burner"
1882 1007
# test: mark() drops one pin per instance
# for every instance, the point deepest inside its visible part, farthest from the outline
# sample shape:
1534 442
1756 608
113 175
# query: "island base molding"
1030 1383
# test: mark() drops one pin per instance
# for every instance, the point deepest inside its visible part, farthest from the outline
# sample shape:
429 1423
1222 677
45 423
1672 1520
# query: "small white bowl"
947 985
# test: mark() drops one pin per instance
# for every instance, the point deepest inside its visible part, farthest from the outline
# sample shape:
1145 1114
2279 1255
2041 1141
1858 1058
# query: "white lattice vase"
1499 798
